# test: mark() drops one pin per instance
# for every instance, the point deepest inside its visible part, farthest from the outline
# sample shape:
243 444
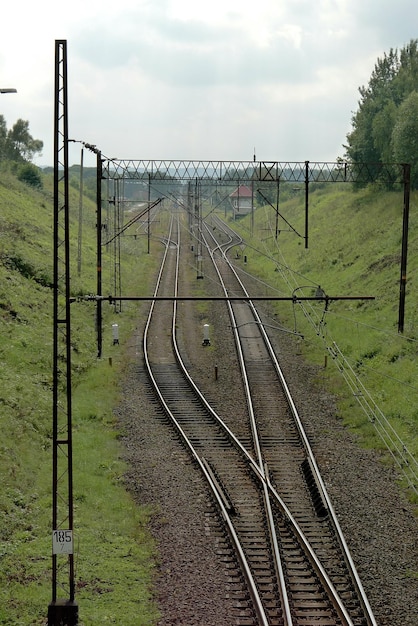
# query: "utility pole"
99 226
277 208
306 202
99 316
62 611
80 215
148 215
404 253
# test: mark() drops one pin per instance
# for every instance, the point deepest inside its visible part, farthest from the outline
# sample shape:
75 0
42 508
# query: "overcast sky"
193 79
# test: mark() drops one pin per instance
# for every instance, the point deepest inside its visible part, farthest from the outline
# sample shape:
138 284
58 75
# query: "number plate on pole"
62 542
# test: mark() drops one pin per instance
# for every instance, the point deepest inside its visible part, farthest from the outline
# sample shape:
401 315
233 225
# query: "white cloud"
186 79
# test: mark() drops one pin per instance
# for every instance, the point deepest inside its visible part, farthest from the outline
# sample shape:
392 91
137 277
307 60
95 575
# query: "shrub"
30 174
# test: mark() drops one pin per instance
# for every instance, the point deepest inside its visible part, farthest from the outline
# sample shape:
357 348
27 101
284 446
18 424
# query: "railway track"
279 536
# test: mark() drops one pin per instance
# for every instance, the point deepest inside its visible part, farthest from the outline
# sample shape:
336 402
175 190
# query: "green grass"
115 554
354 248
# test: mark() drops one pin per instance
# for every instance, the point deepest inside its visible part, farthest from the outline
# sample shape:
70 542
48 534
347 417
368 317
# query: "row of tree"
385 126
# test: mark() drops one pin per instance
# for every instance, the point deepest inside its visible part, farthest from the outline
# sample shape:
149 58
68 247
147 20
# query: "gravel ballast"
191 585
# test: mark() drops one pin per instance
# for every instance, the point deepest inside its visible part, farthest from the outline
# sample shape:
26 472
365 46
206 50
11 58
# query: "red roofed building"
241 200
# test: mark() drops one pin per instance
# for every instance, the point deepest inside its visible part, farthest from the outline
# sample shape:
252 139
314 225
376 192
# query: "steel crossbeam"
266 171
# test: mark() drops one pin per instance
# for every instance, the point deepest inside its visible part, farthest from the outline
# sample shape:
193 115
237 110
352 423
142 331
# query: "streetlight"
8 90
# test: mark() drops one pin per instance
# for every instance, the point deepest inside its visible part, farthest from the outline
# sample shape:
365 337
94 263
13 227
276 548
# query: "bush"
30 174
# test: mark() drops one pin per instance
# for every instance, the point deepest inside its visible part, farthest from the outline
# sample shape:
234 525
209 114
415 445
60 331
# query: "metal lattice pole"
62 610
99 226
404 253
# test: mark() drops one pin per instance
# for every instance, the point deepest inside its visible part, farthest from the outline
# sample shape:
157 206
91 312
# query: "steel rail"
263 472
246 570
258 472
263 478
287 615
350 563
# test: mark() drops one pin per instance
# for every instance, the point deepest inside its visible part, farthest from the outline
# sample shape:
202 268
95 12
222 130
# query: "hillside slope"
103 531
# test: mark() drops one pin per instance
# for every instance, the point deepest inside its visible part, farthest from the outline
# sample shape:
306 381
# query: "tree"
382 128
407 78
377 96
3 136
19 144
385 127
405 135
28 173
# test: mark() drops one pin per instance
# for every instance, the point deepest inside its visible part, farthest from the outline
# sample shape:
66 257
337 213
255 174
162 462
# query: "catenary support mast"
62 610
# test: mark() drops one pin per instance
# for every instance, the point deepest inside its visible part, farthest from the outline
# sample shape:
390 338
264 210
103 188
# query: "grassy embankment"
114 552
354 250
